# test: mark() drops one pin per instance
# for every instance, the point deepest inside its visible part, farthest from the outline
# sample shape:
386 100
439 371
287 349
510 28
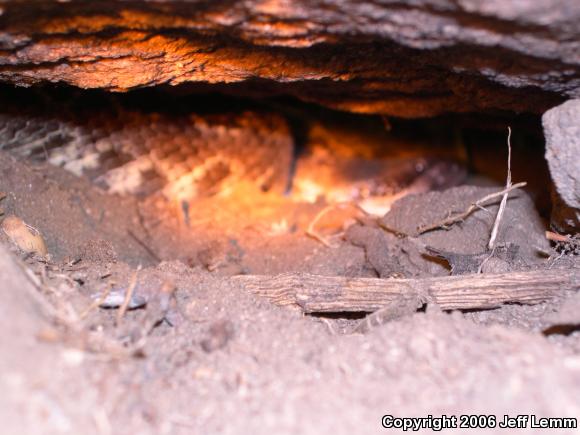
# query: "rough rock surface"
521 227
409 59
562 131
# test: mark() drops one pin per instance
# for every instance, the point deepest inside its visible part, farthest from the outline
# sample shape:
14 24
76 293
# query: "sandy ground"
205 356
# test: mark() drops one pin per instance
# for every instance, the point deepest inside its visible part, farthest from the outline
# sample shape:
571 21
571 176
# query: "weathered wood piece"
319 294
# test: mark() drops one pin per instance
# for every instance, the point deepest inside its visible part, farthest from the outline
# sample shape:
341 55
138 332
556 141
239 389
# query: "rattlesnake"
181 155
178 153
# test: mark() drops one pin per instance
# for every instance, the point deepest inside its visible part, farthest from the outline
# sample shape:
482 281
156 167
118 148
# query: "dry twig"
66 317
475 206
555 237
566 244
503 203
158 309
48 309
144 246
128 296
311 230
96 303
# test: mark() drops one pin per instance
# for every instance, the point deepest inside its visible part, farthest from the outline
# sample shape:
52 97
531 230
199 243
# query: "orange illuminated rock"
407 60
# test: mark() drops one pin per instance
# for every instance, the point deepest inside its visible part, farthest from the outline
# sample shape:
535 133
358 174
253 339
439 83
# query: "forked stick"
475 206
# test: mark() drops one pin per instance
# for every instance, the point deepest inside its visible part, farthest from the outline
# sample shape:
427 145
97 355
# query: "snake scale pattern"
180 154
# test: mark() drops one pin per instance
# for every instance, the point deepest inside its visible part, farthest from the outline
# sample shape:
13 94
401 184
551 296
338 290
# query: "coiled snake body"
134 152
177 153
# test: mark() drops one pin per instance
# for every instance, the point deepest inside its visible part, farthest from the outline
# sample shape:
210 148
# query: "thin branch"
128 296
475 206
311 230
144 246
96 303
503 203
563 238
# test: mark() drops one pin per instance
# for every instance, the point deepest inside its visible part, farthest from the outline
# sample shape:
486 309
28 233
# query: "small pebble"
24 236
116 298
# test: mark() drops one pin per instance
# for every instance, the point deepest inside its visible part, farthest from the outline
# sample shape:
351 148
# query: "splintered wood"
334 294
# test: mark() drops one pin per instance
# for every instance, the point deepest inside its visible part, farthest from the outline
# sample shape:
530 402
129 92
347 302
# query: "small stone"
562 131
26 237
116 298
